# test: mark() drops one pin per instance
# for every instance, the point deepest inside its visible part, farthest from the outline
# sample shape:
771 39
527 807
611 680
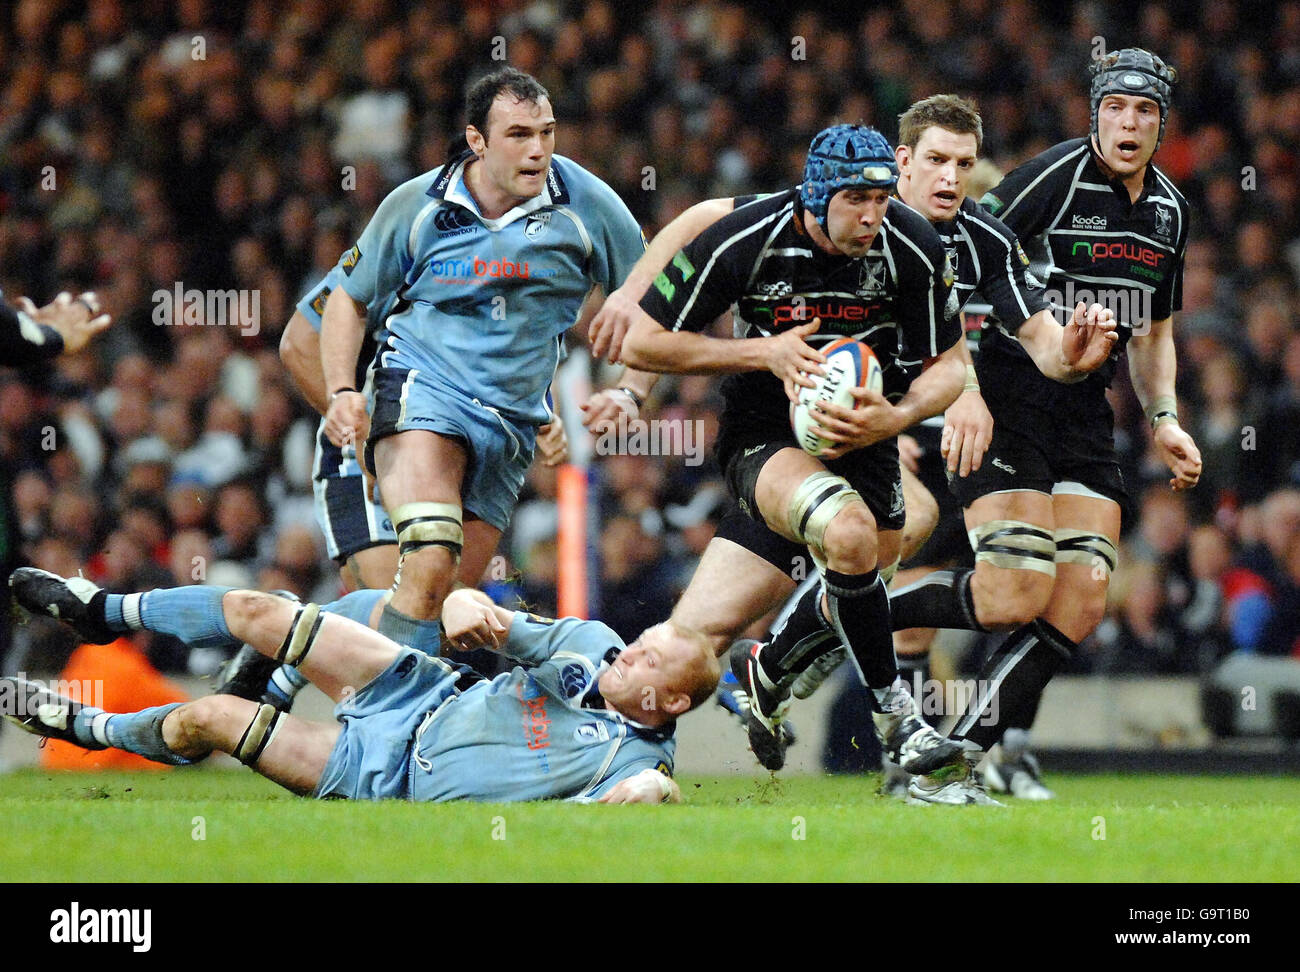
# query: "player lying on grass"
582 717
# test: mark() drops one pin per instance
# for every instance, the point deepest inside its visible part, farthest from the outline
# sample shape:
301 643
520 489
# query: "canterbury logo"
1009 470
451 218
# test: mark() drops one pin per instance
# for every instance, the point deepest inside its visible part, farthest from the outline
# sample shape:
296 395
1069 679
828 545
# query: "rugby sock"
136 732
805 635
284 685
859 612
192 614
941 599
357 606
425 636
1011 682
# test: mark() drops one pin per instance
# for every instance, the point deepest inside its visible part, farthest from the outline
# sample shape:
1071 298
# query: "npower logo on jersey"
1119 251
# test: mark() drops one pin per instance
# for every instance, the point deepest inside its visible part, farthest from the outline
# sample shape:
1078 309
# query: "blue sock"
285 683
358 605
425 636
137 732
192 614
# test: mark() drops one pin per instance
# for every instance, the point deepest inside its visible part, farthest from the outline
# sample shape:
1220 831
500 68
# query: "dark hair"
484 91
947 111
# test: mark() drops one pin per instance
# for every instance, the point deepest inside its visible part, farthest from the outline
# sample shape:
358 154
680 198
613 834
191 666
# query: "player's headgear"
1135 72
844 157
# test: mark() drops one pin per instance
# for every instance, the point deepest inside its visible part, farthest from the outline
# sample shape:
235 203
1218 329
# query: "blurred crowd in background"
150 145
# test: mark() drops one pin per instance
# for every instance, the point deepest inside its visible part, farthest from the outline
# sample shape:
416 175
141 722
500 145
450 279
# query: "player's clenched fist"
1089 337
603 410
1178 451
469 621
347 422
552 443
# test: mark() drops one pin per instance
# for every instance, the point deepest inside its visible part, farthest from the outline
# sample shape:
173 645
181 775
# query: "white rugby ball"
849 364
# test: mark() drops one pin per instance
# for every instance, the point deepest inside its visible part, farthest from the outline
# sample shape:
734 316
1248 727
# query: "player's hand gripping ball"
849 364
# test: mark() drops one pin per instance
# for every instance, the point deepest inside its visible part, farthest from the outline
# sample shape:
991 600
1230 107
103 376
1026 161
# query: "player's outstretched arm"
610 326
652 347
648 786
63 326
1069 354
301 357
1152 363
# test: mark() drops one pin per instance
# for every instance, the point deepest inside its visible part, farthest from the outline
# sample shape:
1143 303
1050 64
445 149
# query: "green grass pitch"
219 825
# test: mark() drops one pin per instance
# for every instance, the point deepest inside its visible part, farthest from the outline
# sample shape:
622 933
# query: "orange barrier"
571 585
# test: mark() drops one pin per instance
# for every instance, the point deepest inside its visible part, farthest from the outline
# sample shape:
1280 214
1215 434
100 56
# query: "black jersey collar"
1149 181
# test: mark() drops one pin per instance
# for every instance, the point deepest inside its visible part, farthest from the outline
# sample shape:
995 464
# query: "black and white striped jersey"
988 264
760 261
1096 245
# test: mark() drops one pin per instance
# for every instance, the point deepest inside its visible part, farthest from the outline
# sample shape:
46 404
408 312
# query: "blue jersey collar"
450 187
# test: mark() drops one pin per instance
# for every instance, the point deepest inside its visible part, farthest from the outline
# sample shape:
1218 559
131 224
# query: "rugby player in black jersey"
835 257
746 567
1044 508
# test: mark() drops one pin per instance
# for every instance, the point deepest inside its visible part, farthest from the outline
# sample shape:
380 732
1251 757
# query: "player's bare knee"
194 725
850 540
1079 617
1008 598
245 608
429 541
922 518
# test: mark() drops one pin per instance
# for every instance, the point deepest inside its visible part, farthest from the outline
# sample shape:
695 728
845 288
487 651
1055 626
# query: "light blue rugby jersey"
483 302
527 735
330 459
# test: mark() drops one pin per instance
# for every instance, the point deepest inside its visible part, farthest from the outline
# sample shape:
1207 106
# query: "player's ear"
677 703
903 156
477 143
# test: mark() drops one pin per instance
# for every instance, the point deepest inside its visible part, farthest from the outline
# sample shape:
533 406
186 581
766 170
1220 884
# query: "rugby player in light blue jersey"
358 532
490 262
583 716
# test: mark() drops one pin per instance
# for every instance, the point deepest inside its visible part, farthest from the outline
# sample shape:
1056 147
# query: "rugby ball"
849 364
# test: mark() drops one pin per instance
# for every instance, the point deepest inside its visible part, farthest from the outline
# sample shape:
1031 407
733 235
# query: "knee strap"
1089 549
1015 545
815 503
258 735
302 635
428 524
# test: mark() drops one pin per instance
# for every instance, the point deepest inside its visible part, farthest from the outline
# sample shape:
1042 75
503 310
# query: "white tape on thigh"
424 524
258 735
815 503
301 636
1014 545
1082 547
